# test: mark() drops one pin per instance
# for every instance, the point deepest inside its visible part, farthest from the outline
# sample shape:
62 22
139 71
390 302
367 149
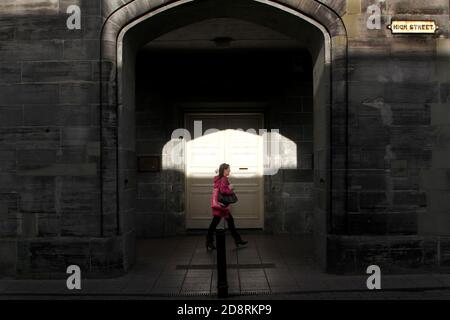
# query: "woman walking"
221 182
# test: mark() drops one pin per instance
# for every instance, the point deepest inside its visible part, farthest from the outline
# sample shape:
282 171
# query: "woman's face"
226 172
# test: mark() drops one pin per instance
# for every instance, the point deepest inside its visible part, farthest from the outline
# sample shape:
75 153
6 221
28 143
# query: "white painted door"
242 149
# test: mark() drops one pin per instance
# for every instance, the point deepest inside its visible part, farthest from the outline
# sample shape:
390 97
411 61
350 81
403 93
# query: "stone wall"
58 150
397 88
50 210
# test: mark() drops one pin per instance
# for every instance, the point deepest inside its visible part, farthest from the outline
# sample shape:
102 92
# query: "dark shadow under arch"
127 30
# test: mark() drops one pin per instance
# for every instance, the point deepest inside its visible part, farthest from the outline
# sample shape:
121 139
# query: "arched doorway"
133 25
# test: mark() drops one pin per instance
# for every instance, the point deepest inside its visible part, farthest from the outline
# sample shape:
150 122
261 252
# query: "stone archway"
131 25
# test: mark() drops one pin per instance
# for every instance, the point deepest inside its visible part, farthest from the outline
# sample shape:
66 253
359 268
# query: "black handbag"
227 199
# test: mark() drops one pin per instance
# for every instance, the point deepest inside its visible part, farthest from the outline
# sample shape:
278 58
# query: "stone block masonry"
60 110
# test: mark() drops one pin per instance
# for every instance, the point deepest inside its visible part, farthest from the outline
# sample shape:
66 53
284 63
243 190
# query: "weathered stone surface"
32 159
6 31
7 161
441 157
48 225
10 73
56 71
103 71
72 136
9 214
59 169
368 223
11 116
81 49
26 7
151 205
106 256
152 190
79 93
410 114
298 204
439 114
29 93
436 179
416 7
70 224
402 223
8 263
31 50
373 180
388 70
336 5
51 257
45 28
373 200
392 254
88 7
70 116
38 137
297 175
110 6
411 138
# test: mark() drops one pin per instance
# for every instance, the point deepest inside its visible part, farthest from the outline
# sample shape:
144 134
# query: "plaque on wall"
149 164
413 27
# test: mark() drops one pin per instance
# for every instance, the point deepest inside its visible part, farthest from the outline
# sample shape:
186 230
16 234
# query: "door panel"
242 150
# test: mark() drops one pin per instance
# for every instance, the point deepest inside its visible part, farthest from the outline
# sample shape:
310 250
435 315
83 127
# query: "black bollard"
222 283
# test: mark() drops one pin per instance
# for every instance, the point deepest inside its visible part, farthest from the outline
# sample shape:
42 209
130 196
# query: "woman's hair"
222 167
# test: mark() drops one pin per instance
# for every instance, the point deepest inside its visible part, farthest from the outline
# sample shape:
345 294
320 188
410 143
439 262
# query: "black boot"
210 236
237 238
209 244
239 242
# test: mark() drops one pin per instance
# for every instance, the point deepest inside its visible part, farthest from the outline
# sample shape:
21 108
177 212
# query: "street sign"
413 26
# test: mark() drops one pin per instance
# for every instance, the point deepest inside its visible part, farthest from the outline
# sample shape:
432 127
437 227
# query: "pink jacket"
222 184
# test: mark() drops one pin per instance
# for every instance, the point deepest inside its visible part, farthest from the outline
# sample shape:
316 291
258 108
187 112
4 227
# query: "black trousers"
214 223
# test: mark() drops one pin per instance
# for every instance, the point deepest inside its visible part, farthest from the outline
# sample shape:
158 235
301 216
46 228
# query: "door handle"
243 168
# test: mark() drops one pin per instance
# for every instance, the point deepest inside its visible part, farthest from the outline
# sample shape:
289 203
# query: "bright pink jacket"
222 184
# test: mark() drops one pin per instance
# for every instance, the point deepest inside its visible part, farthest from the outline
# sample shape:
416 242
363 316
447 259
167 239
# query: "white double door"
241 149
